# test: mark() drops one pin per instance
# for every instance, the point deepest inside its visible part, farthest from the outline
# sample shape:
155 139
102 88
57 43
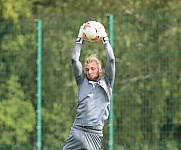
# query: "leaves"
17 116
15 9
147 87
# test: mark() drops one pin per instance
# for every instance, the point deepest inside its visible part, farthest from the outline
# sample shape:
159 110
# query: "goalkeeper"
94 94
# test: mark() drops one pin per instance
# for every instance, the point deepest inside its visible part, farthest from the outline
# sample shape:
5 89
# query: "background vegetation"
147 105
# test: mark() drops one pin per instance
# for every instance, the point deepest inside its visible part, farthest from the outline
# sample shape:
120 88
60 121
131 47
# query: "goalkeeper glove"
79 39
104 36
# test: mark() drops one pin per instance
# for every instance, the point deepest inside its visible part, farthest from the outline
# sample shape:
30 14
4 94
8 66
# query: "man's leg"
72 143
92 141
83 140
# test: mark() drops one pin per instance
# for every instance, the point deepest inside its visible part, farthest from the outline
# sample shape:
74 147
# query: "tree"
15 9
17 117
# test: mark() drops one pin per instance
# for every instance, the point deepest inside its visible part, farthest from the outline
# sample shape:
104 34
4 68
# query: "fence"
146 109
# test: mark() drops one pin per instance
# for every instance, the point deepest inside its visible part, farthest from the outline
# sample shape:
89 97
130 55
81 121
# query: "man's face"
92 71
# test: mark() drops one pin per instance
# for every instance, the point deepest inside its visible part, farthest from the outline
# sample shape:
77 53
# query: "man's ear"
100 70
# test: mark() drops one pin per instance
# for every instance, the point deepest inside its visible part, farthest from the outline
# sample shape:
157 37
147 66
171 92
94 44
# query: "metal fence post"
111 129
39 86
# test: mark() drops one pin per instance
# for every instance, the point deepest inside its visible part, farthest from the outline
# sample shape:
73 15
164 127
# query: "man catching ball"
94 94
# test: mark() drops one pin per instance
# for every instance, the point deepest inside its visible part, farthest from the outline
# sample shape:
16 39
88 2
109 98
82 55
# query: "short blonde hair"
92 58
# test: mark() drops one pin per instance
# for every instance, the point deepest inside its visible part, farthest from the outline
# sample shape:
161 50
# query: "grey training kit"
93 103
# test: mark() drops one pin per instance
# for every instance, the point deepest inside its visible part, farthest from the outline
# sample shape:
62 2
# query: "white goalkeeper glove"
79 39
104 36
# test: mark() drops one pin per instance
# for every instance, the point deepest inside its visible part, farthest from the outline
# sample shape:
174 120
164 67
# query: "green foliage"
56 125
147 87
15 9
17 119
14 42
147 105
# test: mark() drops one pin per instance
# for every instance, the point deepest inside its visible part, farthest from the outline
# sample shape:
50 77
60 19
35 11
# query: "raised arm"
76 64
110 64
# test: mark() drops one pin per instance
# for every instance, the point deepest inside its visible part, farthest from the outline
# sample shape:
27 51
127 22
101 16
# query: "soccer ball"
91 31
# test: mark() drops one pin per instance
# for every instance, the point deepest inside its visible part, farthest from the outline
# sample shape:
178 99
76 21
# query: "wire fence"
147 93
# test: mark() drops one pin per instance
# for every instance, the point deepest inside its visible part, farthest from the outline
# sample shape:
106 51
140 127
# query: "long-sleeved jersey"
93 96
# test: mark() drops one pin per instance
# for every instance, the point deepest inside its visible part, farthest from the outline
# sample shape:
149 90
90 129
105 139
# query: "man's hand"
103 35
103 32
80 32
79 39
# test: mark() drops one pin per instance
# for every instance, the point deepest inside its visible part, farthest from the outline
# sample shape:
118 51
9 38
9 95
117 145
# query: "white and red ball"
91 31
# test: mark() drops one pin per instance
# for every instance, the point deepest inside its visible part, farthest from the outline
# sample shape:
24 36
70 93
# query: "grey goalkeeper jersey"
93 97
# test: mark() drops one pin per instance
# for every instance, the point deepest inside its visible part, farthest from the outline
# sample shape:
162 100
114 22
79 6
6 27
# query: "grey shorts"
81 138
